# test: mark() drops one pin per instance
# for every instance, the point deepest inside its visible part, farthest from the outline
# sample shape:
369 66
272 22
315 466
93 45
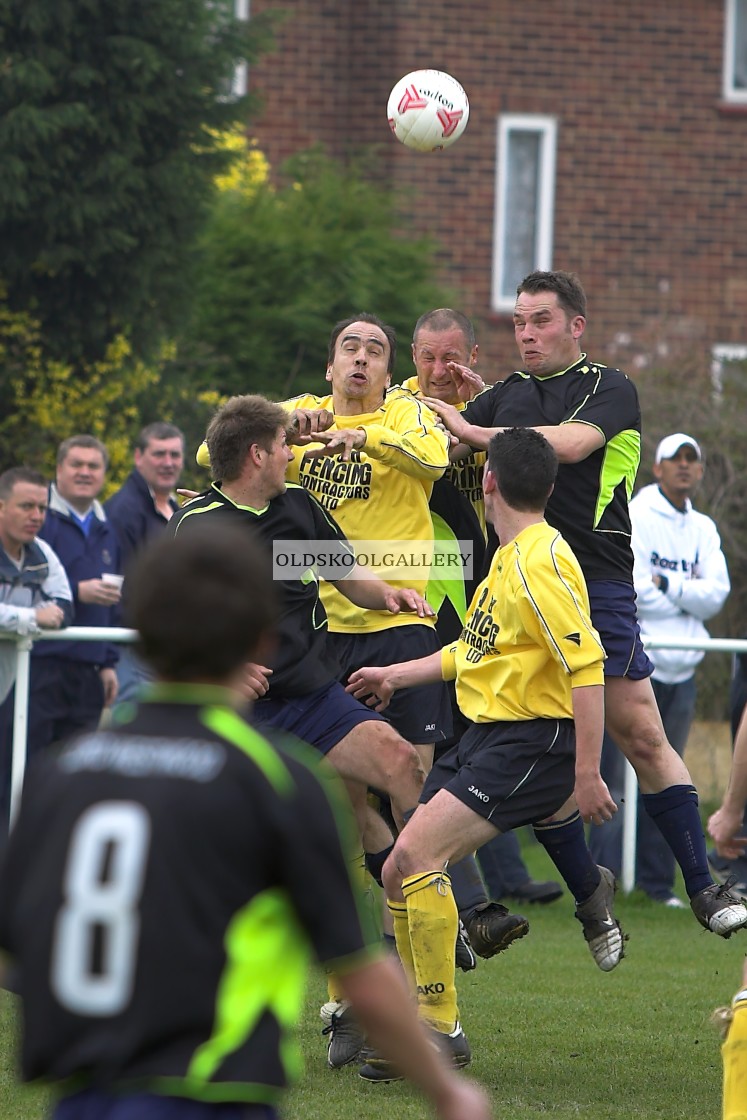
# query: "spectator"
140 510
72 682
34 590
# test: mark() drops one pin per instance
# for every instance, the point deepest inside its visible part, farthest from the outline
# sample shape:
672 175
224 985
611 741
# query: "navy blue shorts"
96 1104
422 713
322 718
613 614
511 773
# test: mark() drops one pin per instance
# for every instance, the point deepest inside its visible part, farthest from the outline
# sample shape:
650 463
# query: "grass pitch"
550 1033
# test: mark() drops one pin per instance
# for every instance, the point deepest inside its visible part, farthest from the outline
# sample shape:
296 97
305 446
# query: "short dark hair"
236 426
10 478
364 317
90 442
524 466
566 285
159 429
202 602
442 319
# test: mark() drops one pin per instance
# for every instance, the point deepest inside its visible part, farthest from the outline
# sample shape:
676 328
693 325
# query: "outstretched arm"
364 588
377 685
725 825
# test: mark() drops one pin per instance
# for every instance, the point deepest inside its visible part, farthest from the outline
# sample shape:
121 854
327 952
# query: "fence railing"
24 645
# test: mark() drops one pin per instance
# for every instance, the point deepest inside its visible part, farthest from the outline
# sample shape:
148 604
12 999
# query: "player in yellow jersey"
528 670
733 1023
371 460
445 353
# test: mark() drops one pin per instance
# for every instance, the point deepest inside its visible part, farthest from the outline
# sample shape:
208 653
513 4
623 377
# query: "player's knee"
400 759
402 861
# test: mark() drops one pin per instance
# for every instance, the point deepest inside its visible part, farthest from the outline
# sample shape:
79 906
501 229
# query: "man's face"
161 463
358 371
275 463
431 353
80 476
547 336
22 515
679 476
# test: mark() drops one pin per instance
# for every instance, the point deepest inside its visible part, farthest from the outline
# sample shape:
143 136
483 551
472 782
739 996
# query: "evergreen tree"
109 113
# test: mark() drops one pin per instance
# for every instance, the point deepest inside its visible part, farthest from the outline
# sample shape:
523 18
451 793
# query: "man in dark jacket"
139 512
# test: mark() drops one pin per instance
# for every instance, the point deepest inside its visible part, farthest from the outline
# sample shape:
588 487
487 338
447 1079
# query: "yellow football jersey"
465 474
380 494
734 1051
528 638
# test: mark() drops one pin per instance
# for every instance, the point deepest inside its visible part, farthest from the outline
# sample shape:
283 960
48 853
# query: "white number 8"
97 930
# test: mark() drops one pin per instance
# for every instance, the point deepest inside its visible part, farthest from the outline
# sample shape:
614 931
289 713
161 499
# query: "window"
735 51
524 203
240 83
727 359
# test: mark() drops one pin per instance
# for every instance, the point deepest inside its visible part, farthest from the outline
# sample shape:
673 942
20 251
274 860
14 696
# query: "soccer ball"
428 110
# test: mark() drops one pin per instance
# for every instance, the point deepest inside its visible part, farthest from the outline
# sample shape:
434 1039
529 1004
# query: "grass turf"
550 1033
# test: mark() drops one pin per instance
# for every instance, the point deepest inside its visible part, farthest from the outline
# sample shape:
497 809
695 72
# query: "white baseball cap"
670 445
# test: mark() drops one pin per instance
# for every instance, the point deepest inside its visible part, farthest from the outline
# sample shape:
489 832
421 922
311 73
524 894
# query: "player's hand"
723 827
371 686
467 381
99 592
594 800
339 443
111 685
188 494
49 616
452 418
463 1100
256 681
407 600
304 423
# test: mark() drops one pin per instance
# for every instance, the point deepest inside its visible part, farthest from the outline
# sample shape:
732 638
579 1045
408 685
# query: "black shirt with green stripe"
589 504
302 659
161 893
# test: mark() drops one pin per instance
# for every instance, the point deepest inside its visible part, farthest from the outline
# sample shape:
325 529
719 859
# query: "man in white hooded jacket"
681 579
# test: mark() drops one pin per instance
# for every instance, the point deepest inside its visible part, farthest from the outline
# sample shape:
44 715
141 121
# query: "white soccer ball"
428 110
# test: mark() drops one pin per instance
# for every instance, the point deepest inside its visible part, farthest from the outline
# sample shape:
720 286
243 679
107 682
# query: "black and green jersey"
303 660
161 893
589 504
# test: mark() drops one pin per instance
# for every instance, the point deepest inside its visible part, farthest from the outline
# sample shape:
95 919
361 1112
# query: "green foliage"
279 267
109 111
45 401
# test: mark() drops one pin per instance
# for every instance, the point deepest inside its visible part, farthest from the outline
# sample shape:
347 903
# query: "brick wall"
651 171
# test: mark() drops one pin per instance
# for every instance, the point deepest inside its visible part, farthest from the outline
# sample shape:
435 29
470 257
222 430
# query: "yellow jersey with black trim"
528 638
380 494
465 474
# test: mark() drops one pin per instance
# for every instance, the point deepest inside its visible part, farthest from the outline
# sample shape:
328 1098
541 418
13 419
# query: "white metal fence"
119 634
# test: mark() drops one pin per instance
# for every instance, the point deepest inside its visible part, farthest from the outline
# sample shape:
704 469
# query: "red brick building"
610 139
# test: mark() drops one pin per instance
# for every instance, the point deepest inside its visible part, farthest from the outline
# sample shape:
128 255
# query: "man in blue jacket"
140 511
72 682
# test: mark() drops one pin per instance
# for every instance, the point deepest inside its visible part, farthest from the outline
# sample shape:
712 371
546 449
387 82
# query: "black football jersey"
303 659
589 504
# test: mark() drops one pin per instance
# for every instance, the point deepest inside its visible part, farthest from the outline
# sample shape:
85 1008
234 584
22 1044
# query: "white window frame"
547 128
240 82
735 10
721 354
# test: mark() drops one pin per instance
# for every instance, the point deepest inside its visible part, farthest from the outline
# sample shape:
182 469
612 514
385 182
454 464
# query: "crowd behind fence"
25 643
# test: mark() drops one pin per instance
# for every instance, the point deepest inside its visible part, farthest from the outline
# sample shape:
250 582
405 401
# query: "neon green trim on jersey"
231 726
621 458
440 586
267 959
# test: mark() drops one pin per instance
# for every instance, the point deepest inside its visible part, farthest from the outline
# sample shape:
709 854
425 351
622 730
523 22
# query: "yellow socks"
432 921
